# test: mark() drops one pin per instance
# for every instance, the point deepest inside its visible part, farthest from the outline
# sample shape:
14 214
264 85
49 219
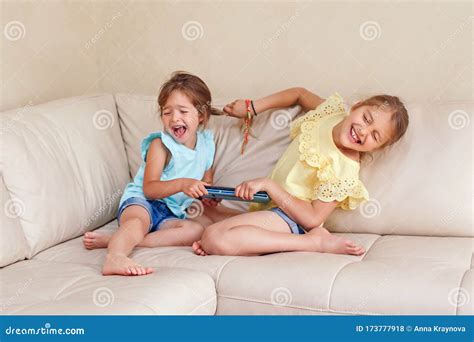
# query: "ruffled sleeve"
146 142
342 186
333 105
349 192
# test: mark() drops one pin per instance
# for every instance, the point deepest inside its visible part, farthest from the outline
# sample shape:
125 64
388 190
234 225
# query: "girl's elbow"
149 192
300 91
312 223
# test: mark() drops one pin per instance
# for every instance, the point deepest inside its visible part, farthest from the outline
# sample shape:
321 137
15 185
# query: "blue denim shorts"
294 227
157 211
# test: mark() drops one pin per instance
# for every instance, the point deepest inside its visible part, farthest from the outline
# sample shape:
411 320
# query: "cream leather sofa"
65 163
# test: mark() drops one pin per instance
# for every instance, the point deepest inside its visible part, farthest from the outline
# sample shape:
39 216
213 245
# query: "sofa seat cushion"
36 287
73 251
399 275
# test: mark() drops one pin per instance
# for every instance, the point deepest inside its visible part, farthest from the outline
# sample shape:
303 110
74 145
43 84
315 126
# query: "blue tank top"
184 163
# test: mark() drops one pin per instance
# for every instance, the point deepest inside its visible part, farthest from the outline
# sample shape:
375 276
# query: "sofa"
64 165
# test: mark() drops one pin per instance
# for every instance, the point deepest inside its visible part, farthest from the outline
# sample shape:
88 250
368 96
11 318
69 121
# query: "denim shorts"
157 211
294 227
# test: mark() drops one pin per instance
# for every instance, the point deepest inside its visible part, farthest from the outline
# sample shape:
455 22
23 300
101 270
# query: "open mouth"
354 136
178 131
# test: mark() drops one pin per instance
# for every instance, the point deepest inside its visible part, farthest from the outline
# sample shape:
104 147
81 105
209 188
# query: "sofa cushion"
408 275
423 184
64 163
73 251
139 115
35 287
13 246
429 275
399 275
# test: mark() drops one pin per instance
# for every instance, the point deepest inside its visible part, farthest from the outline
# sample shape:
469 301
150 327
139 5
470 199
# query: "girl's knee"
190 231
196 230
136 223
214 241
210 232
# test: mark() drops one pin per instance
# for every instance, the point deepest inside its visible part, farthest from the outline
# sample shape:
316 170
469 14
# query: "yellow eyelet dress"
312 167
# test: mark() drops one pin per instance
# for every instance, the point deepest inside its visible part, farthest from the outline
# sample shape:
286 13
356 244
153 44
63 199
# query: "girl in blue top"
176 167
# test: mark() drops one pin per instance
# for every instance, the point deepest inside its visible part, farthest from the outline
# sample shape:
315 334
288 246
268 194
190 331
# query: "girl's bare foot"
198 249
93 240
122 265
326 242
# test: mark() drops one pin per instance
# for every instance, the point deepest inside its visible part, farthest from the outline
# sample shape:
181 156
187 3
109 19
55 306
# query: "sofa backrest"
63 168
420 186
139 116
423 184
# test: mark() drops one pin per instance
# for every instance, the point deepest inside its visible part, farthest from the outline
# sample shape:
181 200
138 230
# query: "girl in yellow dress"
318 173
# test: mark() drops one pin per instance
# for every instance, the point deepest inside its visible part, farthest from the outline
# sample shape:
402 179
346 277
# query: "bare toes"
349 243
196 246
358 251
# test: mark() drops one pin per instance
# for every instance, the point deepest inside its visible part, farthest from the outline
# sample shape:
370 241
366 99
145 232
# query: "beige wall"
420 51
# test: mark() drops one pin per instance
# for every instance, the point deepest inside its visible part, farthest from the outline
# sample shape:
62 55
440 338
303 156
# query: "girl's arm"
286 98
308 214
154 188
208 176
